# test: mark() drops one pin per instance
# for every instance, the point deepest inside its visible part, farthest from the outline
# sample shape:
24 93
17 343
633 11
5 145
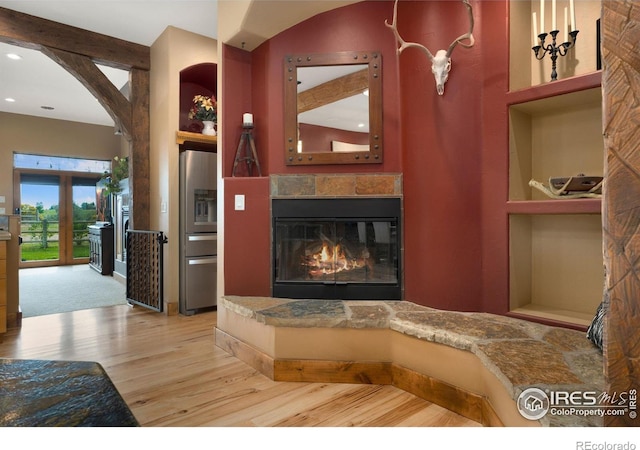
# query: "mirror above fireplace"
333 108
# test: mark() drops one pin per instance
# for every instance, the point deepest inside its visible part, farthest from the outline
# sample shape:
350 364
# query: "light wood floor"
170 373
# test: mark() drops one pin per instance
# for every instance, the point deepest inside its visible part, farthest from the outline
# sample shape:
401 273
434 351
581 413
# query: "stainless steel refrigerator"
198 232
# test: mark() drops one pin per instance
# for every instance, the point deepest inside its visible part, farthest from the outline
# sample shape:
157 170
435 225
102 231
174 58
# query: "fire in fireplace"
336 248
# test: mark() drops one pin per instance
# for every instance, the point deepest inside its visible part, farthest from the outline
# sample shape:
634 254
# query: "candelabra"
553 48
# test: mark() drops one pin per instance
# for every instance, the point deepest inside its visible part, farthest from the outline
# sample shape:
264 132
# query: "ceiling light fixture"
9 99
13 56
48 108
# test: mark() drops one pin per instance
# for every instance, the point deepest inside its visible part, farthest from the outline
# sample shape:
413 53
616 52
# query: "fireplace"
336 248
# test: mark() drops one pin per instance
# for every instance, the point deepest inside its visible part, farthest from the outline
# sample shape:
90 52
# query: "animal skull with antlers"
441 62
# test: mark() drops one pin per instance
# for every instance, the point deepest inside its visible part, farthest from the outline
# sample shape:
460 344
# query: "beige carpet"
52 290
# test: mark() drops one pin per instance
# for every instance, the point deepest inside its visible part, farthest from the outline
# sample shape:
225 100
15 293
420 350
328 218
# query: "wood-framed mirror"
333 108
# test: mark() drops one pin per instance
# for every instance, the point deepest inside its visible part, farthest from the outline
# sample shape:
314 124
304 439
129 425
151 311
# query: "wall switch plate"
2 211
163 207
239 203
2 199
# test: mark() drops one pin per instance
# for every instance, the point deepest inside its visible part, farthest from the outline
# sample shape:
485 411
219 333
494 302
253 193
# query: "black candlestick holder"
554 49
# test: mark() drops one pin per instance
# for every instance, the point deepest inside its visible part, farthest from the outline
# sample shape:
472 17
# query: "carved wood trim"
621 208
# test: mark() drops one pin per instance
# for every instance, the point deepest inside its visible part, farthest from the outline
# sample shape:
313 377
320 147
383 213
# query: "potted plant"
119 171
205 109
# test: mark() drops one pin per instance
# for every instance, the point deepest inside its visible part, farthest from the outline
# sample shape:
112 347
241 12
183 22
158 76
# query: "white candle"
535 30
247 119
566 26
554 25
572 10
541 16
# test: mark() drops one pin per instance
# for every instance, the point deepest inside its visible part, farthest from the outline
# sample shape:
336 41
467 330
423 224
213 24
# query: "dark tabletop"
39 393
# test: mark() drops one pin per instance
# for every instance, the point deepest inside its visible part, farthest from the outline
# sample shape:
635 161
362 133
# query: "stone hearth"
483 356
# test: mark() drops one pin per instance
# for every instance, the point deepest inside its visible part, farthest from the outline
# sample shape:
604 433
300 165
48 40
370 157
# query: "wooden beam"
96 82
78 50
139 168
334 90
33 32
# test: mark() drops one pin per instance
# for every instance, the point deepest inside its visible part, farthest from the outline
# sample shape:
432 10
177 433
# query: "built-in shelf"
187 136
553 89
553 316
568 206
555 245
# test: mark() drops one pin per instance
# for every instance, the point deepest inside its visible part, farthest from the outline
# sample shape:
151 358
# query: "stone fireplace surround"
349 186
474 364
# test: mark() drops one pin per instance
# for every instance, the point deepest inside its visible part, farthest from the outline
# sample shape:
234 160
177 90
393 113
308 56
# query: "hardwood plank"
171 374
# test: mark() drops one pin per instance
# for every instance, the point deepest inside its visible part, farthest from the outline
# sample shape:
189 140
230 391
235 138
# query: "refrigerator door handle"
206 237
203 261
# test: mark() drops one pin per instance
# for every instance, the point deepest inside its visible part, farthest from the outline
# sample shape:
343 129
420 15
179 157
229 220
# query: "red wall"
441 157
247 262
355 27
447 147
495 162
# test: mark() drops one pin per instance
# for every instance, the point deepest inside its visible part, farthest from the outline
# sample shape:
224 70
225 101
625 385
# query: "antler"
403 44
468 35
441 62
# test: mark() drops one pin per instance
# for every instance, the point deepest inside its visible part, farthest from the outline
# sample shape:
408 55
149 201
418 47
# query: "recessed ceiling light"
13 56
9 99
48 108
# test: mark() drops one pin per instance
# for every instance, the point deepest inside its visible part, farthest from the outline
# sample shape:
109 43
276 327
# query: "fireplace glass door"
339 251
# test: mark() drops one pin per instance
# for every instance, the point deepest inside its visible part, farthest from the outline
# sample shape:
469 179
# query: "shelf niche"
559 136
556 269
199 79
526 70
556 266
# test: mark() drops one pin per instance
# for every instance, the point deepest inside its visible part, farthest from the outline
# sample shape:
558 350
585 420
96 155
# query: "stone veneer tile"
247 306
462 324
569 339
398 306
331 185
297 185
521 361
335 185
589 366
368 316
531 329
376 185
305 314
